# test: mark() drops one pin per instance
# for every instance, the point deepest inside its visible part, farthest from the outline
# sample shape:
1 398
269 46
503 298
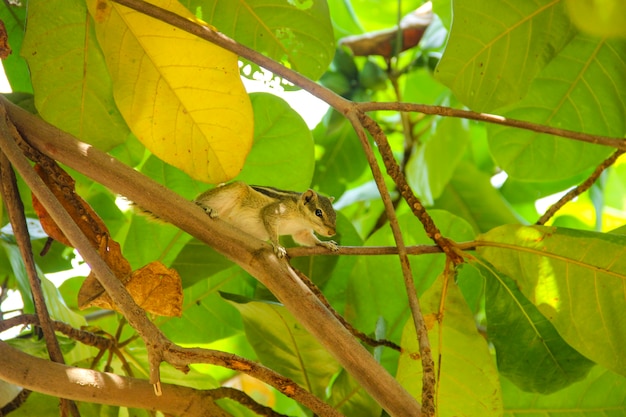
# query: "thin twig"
245 400
584 186
182 357
617 143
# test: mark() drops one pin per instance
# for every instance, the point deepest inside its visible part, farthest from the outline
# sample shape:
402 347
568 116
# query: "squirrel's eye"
318 213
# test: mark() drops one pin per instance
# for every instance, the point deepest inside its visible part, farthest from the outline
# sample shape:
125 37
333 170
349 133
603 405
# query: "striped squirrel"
267 213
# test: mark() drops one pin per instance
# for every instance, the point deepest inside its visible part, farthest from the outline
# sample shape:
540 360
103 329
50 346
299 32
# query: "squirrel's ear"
308 196
331 199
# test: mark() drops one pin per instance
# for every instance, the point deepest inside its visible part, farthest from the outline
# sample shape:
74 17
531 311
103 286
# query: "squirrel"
267 213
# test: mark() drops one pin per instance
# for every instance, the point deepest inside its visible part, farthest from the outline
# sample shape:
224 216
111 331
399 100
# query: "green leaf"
282 344
197 261
468 382
529 350
297 33
601 393
433 162
73 90
576 280
206 316
351 399
14 17
496 48
582 89
342 160
282 143
148 241
470 195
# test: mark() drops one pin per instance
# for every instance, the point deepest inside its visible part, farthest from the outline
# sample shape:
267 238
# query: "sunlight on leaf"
181 96
599 17
581 275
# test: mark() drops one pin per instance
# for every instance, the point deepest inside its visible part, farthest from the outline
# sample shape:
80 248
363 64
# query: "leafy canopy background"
550 298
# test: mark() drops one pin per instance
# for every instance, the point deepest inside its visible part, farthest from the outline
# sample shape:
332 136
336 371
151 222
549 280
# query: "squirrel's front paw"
208 210
330 244
279 251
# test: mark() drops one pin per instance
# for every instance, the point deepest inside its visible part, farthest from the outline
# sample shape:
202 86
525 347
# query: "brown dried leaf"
155 288
91 291
62 186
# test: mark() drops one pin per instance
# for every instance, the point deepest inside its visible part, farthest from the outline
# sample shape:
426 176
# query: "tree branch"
79 384
254 256
584 186
617 143
15 207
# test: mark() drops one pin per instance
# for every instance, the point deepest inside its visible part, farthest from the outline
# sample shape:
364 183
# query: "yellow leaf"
180 95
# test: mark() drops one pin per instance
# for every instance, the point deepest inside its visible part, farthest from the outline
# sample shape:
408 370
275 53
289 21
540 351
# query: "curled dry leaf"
155 288
62 186
383 42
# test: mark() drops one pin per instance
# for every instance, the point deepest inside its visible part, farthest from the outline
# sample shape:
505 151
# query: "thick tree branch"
182 357
104 388
254 256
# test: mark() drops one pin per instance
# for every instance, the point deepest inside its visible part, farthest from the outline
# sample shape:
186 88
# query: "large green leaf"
497 47
206 316
296 33
147 240
350 398
72 85
197 261
468 381
470 195
342 160
282 143
602 393
529 350
582 89
282 344
575 278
